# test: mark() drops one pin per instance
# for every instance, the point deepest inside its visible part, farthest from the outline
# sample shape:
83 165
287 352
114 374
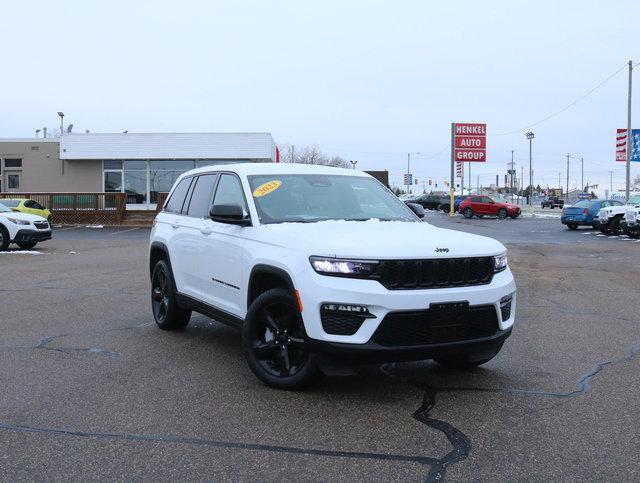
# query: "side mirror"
417 209
231 214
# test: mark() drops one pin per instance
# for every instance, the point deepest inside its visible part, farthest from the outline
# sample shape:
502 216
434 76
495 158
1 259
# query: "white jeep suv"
322 265
23 229
611 219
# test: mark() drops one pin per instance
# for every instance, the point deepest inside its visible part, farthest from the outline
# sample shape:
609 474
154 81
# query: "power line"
566 107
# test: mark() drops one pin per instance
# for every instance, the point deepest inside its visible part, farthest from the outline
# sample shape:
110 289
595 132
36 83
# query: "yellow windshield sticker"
266 188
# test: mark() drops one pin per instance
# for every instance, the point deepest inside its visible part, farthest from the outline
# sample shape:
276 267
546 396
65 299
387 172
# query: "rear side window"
174 205
202 196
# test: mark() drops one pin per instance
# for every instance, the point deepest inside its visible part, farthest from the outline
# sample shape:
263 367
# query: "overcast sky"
365 80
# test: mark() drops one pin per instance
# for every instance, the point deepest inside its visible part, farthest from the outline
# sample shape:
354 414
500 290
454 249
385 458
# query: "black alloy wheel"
468 213
166 311
502 213
4 238
274 341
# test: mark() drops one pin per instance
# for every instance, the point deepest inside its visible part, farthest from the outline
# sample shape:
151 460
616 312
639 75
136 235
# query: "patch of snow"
94 226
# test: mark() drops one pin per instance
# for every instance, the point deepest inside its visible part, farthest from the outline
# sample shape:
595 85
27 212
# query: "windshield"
311 198
11 203
4 209
634 200
585 204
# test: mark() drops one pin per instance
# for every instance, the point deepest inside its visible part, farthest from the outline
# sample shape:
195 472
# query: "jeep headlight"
500 262
342 267
18 222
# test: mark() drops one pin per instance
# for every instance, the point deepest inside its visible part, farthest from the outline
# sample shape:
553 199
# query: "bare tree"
310 155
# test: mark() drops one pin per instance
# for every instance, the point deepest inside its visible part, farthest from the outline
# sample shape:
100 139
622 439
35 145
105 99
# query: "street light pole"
610 183
582 173
61 114
628 185
408 171
530 137
353 163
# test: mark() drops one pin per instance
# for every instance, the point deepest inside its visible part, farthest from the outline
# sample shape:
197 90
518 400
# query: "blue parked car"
584 212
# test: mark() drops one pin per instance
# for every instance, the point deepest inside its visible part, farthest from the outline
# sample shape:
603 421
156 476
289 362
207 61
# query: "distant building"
140 165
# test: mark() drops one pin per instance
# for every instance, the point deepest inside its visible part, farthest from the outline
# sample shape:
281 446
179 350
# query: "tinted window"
202 195
112 164
476 199
29 204
174 205
229 192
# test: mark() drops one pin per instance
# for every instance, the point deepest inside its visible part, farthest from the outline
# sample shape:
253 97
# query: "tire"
605 227
513 217
275 342
164 304
49 219
469 361
552 207
445 208
502 213
4 239
27 245
468 213
572 226
480 216
615 229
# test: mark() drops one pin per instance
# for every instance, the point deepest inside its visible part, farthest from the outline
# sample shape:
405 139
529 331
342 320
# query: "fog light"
359 310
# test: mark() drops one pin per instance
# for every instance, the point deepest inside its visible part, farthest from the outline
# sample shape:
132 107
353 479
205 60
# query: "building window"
13 163
13 181
110 164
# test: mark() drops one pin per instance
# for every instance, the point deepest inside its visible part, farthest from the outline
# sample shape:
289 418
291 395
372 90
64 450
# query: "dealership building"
140 165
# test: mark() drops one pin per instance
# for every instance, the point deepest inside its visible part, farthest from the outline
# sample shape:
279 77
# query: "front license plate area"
449 307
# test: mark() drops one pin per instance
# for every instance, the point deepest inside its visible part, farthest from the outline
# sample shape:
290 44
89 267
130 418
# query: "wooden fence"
79 208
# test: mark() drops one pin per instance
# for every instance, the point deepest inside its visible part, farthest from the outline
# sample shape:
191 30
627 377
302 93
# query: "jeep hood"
379 239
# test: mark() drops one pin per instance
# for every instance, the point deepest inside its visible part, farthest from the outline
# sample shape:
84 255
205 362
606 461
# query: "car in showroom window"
321 266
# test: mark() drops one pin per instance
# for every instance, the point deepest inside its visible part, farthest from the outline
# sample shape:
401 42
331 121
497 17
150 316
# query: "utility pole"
353 163
628 185
582 174
567 195
511 171
478 186
522 179
559 181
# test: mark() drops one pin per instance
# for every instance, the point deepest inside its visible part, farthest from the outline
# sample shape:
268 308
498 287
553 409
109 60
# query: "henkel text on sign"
470 142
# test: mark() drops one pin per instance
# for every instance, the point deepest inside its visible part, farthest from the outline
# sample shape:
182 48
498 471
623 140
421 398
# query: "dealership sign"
469 142
459 169
621 145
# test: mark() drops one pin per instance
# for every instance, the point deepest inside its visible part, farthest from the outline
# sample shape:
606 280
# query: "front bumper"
372 352
316 290
27 236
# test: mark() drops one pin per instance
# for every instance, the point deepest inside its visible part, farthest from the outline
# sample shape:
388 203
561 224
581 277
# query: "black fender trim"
271 270
158 246
190 303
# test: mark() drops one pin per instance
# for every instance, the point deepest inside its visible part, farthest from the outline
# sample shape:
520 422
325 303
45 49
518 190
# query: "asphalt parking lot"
91 389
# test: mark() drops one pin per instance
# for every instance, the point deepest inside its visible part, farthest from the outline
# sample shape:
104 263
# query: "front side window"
310 198
229 192
201 196
174 205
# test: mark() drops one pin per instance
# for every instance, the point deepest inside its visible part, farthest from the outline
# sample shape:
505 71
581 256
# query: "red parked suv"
485 205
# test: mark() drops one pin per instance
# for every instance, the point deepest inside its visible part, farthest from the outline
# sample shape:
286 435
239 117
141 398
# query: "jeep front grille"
434 273
426 327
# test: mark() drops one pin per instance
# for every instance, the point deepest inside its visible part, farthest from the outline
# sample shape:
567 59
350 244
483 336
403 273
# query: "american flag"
621 145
